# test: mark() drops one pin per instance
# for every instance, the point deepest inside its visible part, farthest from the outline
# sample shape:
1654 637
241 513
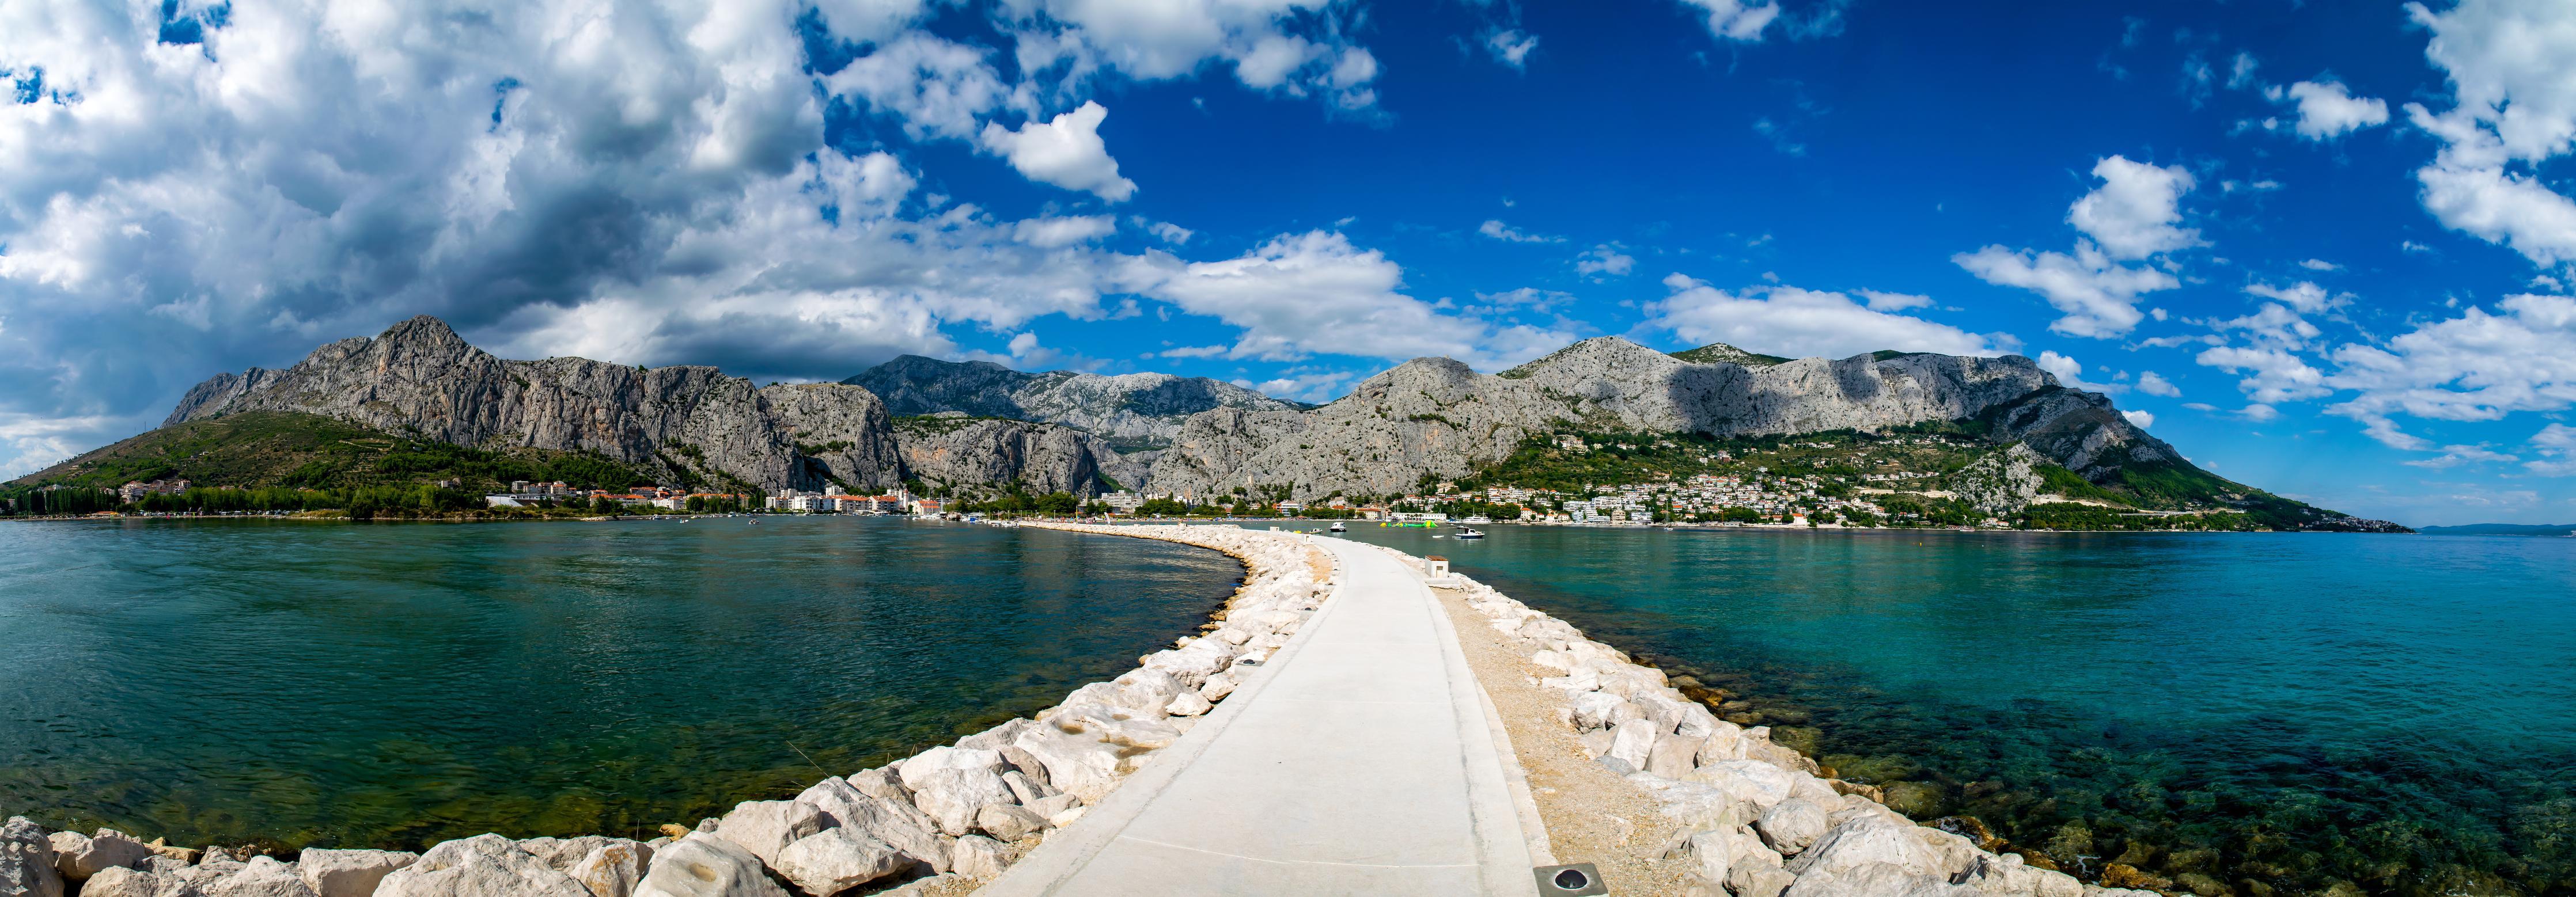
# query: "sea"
2248 714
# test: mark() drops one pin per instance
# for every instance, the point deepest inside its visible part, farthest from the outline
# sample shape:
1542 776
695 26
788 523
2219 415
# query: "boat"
1478 520
1465 533
1338 527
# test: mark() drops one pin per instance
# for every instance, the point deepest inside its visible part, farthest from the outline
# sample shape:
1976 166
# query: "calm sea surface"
2231 711
399 684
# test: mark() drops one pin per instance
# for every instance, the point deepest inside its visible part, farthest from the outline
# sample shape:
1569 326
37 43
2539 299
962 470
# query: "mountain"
1131 411
1435 419
256 449
686 424
2504 529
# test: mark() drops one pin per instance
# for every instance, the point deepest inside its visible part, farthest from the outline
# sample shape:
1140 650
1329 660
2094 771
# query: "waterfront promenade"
1362 760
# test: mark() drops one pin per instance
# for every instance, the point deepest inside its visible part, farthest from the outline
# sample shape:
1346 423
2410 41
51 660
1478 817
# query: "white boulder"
1007 822
613 869
27 861
79 856
979 858
766 827
1791 825
348 873
897 823
480 866
703 865
950 784
838 859
263 876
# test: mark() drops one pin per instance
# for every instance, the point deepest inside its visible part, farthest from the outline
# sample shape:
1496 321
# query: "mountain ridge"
1421 421
1140 410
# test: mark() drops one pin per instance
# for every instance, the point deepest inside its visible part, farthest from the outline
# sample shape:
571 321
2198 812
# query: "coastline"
942 821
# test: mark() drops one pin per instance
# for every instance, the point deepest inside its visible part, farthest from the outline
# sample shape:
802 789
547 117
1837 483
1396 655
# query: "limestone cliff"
420 378
1435 417
951 451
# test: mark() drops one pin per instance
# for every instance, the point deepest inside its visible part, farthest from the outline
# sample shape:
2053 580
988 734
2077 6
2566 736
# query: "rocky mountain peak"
1721 353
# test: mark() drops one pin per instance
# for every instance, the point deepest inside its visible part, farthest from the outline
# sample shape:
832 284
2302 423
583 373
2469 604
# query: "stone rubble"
947 818
1756 819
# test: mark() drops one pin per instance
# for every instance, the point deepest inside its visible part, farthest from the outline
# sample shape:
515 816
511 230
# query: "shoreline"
942 821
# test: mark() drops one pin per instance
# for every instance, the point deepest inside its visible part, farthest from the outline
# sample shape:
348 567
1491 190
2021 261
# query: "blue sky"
2322 248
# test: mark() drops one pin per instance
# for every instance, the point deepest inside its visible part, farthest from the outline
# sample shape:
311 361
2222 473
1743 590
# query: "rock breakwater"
940 821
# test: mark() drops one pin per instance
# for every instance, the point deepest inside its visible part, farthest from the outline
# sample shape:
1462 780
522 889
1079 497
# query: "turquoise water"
399 684
2240 713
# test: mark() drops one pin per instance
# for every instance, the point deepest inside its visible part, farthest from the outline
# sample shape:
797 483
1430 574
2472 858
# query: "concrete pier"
1362 760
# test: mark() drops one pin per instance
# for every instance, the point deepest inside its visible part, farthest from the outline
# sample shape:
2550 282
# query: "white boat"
1465 533
1477 520
1338 527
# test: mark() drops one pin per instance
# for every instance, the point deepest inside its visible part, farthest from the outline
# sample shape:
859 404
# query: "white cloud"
2304 296
1315 293
1500 231
2557 444
1066 231
2134 213
1511 46
2273 325
1170 233
2455 455
1293 47
937 87
1304 386
2155 384
2098 297
2513 108
2478 366
2139 419
1879 301
2273 375
2320 265
1736 20
1065 151
1791 321
2259 413
1604 260
2328 110
2070 374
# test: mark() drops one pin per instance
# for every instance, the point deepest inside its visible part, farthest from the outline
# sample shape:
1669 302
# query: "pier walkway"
1362 760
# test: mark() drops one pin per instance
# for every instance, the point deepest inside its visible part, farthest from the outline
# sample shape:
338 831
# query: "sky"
2323 248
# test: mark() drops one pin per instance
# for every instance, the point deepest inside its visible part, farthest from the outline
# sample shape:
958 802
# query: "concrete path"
1360 761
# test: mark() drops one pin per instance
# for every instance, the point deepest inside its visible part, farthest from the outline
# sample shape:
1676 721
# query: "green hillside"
260 449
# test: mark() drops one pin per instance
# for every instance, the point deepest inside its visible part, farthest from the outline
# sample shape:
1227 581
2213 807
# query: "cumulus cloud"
1065 151
2272 325
1602 259
2320 265
642 184
2479 366
2259 413
2328 110
1065 231
2097 296
2070 374
2557 445
2135 213
1511 46
1879 301
2272 375
1292 47
2155 384
933 86
1736 20
2139 419
1315 293
2303 296
1498 230
2136 210
1791 321
2513 108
